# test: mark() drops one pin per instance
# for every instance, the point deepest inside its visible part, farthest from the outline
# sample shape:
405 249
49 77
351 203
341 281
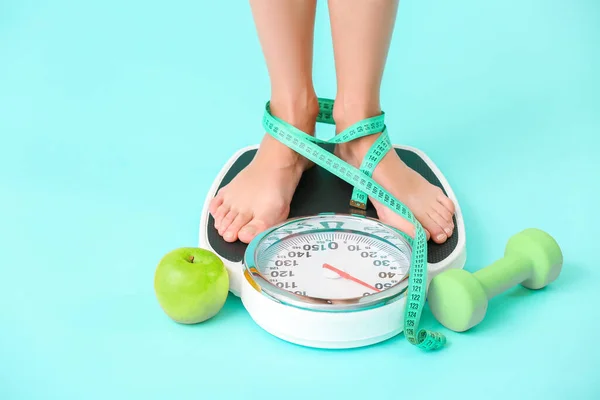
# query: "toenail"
441 237
448 231
228 235
248 230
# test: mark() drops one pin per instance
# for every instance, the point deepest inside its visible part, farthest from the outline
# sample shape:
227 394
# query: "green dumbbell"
459 299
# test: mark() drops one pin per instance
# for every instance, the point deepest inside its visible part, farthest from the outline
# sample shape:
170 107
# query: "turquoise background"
112 125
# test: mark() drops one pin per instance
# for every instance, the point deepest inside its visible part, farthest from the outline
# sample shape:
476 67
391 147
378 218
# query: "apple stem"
191 259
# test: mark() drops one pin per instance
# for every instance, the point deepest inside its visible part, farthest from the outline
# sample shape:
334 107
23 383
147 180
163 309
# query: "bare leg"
260 195
362 31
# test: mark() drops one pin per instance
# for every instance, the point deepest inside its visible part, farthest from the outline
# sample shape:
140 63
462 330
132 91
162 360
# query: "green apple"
191 284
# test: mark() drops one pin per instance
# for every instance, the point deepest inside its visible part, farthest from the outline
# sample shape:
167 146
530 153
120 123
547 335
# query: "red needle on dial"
348 276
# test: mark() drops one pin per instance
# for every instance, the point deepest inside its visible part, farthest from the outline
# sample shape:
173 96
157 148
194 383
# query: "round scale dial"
336 258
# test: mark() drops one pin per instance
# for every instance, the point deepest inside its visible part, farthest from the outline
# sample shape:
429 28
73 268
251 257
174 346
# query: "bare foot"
260 195
427 202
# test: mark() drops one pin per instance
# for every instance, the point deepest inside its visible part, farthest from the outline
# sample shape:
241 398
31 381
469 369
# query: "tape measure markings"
308 146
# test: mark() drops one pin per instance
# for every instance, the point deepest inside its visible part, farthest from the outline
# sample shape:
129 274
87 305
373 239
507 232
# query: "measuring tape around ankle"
364 186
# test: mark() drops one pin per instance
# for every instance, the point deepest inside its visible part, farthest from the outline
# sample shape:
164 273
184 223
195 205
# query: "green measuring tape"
364 186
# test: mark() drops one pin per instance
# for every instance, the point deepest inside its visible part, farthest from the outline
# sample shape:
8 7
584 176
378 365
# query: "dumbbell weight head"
458 299
543 255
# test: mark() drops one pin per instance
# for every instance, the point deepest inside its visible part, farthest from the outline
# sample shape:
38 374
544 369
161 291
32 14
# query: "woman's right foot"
260 195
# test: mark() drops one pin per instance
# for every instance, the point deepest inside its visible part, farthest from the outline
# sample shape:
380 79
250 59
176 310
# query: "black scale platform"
320 191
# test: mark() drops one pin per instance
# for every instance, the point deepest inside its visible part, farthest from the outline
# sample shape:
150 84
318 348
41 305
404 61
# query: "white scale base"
323 329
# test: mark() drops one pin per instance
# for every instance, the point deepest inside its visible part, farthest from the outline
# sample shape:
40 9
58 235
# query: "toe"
215 203
446 202
435 224
447 222
242 219
227 220
220 214
251 229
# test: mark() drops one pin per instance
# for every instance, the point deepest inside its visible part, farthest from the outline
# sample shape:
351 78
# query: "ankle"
348 110
354 152
298 109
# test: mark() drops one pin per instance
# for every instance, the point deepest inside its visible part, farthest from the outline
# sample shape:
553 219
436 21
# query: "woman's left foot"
427 202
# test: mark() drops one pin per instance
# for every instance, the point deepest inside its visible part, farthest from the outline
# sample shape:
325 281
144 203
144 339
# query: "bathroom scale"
321 192
283 279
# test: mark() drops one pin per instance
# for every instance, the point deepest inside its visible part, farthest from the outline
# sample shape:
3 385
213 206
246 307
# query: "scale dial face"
330 259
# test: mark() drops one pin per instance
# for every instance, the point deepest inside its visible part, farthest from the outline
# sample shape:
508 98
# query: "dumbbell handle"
503 274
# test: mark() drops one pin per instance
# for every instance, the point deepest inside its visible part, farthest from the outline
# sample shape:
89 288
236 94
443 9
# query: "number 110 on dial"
334 263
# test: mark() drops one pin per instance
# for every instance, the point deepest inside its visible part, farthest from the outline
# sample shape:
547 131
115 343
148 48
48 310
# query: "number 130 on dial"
340 261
